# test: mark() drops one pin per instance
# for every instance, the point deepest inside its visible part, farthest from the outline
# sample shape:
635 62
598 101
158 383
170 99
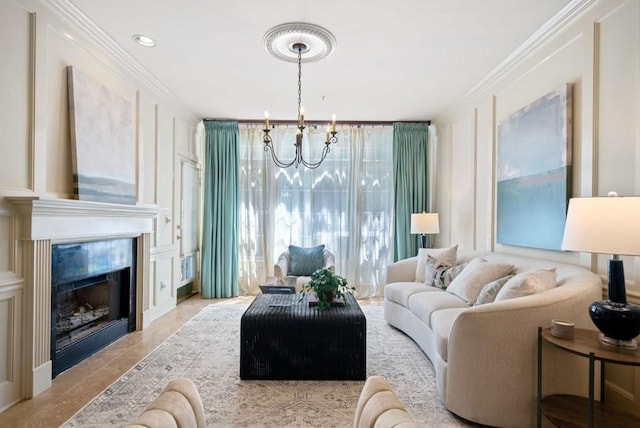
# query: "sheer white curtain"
346 204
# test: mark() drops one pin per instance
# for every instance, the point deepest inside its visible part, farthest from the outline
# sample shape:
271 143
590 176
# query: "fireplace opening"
93 298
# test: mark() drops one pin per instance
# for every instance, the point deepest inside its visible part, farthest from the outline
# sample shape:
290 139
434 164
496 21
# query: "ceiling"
400 60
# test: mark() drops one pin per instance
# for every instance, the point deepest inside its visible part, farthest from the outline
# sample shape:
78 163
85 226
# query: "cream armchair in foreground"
380 407
179 405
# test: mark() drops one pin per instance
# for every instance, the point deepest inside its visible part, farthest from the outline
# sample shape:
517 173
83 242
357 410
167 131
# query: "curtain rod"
321 123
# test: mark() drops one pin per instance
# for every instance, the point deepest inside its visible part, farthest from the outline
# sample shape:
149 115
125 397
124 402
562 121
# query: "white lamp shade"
606 225
425 223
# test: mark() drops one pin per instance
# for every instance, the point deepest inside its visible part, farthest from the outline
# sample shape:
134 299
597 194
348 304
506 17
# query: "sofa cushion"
528 283
399 292
446 255
442 322
475 275
490 291
423 305
305 261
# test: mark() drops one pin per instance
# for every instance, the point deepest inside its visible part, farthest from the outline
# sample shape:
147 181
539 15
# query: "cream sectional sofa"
485 356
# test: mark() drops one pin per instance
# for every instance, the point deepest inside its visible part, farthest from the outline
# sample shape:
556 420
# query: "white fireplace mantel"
70 219
45 222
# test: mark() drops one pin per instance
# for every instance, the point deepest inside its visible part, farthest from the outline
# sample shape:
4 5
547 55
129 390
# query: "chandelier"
289 42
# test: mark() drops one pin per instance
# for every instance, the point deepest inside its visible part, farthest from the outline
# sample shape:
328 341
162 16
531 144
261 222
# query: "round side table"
573 411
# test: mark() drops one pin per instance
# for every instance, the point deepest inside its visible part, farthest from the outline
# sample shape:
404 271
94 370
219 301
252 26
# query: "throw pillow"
478 272
528 283
305 261
431 268
447 256
445 275
490 291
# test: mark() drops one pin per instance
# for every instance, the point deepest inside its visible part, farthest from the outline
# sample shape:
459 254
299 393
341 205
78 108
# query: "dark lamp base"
617 321
617 343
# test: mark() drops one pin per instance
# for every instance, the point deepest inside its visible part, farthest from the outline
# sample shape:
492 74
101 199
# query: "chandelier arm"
268 147
299 158
314 165
278 162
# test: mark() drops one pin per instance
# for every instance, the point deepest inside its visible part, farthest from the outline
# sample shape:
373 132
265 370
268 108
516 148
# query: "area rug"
206 349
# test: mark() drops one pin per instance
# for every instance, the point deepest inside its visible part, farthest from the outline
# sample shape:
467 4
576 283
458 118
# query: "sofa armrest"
493 347
402 270
328 260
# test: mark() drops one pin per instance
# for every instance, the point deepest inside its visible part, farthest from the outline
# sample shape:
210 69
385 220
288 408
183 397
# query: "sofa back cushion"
468 284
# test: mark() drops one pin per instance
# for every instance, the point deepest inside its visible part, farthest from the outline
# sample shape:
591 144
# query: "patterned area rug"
206 349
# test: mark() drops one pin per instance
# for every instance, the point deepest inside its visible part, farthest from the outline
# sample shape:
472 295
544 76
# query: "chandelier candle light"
283 42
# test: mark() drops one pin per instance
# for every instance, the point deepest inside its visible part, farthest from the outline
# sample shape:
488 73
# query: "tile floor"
74 388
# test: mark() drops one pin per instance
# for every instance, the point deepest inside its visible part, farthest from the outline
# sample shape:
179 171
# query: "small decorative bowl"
562 329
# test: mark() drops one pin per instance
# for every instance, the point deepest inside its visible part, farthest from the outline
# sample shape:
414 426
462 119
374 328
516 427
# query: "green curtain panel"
219 277
410 180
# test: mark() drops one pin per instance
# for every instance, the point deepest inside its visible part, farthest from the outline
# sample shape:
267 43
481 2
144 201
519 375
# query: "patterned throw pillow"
439 274
305 261
490 290
446 275
431 269
447 256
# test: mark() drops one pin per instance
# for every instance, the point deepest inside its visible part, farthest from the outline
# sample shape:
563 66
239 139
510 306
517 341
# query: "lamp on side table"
424 223
608 225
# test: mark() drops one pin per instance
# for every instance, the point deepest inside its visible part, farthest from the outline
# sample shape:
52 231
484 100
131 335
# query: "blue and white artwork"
103 145
534 172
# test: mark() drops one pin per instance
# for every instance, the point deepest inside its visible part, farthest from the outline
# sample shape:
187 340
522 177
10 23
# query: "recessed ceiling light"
143 40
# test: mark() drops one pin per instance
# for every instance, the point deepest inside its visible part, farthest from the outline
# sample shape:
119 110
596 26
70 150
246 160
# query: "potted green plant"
327 286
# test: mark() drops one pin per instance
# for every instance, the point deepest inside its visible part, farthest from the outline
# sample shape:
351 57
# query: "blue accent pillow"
305 261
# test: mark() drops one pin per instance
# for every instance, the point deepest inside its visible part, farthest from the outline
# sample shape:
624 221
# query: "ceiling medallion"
299 42
280 39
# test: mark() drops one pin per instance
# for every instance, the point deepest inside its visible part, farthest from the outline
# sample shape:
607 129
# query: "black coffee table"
282 338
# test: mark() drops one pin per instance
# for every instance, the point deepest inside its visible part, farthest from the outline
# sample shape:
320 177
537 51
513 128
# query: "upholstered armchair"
301 262
179 405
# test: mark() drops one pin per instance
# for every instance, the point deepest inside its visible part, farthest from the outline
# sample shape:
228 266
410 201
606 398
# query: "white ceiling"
394 60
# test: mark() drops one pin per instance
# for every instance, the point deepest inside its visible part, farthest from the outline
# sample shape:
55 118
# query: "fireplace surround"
44 223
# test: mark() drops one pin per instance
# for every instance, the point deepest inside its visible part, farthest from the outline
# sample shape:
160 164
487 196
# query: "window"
346 204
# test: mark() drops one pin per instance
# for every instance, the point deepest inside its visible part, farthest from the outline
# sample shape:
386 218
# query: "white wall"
37 44
596 48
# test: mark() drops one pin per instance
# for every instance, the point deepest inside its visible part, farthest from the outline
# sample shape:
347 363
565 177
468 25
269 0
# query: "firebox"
93 299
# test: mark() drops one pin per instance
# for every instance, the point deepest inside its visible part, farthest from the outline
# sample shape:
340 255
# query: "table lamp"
424 223
608 225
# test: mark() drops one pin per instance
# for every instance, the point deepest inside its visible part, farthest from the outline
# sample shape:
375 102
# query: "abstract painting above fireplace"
103 145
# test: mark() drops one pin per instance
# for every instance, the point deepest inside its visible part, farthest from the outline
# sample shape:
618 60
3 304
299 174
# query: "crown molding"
74 16
565 17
